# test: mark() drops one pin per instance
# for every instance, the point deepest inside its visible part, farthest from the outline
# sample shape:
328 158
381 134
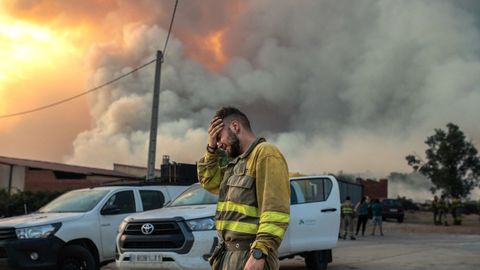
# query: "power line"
79 95
170 28
102 85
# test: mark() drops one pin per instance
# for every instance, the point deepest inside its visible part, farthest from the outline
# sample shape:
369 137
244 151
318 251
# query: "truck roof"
312 177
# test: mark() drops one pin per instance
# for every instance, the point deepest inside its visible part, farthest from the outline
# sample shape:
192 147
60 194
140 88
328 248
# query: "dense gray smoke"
414 186
337 85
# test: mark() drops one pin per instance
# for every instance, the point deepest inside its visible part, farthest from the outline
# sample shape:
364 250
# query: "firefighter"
435 210
347 217
478 209
442 211
251 177
456 209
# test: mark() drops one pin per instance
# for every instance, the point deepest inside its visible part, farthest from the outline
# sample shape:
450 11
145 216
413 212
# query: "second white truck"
182 235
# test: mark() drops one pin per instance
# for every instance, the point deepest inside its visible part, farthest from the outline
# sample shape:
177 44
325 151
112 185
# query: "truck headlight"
201 224
122 226
42 231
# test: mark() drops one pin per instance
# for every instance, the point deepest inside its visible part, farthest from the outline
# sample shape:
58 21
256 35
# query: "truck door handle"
329 210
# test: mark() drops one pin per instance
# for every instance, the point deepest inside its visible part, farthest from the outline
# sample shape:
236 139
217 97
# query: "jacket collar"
252 146
249 150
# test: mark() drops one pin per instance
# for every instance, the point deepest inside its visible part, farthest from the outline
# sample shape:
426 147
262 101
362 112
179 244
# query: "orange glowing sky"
26 51
32 44
212 54
44 48
40 64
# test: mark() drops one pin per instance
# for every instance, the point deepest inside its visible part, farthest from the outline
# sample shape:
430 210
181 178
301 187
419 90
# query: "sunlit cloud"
27 50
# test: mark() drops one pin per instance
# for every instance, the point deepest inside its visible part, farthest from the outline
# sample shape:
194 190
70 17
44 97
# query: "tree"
452 162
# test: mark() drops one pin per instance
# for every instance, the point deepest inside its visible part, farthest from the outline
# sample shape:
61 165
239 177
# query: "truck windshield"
195 195
75 201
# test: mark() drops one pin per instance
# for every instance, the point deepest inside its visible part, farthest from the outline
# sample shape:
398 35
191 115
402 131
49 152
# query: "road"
406 251
399 250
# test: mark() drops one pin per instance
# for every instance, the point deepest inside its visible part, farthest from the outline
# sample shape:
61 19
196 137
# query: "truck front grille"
160 228
7 233
166 235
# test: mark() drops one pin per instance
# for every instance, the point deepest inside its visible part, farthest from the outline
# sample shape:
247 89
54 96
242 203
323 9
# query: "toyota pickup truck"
78 229
182 235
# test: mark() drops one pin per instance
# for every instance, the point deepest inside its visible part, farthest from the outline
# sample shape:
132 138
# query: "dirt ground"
402 251
422 222
412 245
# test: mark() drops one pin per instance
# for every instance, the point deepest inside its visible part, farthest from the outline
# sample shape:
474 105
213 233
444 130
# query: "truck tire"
76 257
315 260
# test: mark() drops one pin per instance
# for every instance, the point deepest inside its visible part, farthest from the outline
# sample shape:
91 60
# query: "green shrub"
23 202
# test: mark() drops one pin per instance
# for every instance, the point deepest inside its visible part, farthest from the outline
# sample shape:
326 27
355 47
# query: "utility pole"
154 121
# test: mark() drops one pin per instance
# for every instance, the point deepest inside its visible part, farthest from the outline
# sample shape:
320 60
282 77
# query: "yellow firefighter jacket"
254 194
347 208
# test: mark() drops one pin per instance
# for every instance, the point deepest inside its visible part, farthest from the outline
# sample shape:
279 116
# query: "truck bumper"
29 253
196 258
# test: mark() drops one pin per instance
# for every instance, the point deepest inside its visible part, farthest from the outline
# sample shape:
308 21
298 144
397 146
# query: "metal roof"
46 165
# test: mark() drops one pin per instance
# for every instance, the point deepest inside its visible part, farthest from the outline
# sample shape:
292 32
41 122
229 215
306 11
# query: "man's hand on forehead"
214 131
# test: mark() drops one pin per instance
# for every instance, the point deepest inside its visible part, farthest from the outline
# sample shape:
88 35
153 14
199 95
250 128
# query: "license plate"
393 210
146 258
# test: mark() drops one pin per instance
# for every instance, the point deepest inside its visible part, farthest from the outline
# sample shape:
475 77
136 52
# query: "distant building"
140 172
374 189
179 173
353 190
32 175
169 173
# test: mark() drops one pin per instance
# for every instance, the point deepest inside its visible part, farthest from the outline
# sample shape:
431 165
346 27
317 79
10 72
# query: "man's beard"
234 144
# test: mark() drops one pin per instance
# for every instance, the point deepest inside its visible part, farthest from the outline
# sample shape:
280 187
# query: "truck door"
117 207
314 214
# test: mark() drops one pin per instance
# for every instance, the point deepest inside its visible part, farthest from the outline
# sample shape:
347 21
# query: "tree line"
23 202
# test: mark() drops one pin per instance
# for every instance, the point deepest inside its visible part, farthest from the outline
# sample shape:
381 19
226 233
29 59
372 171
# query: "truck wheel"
315 260
400 219
75 257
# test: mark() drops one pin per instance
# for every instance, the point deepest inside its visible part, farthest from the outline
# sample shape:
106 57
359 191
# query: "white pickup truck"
78 229
182 235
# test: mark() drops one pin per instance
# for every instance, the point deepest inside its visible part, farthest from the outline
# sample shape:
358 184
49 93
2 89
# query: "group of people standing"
360 212
441 207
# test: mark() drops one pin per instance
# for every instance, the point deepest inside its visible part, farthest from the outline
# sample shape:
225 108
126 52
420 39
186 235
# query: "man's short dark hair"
227 113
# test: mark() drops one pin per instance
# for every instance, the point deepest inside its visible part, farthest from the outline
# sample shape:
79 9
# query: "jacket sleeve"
273 196
209 171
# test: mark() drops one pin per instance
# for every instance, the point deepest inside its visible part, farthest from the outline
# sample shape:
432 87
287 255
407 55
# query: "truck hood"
186 212
38 219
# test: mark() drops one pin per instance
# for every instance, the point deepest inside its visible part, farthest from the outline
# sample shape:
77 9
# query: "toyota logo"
147 228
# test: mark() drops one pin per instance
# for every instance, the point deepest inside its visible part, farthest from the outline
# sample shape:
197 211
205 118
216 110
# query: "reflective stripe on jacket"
347 208
254 194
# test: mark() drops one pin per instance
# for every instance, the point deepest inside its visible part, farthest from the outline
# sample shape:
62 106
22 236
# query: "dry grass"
422 222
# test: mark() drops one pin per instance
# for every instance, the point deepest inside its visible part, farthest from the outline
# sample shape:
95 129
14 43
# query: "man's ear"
235 126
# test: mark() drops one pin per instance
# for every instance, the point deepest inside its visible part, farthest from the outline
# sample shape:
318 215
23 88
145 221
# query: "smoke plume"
337 85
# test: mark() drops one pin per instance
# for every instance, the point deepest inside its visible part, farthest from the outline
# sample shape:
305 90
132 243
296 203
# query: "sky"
338 86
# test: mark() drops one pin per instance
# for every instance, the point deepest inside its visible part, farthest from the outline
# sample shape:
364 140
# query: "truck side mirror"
110 210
